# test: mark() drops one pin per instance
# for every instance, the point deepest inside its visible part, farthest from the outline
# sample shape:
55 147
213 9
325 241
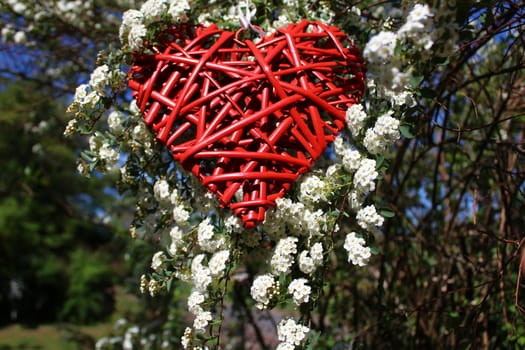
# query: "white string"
245 18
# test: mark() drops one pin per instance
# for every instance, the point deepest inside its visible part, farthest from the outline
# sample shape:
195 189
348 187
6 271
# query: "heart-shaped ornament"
248 118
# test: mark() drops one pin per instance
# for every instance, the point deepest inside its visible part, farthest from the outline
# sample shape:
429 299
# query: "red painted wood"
245 116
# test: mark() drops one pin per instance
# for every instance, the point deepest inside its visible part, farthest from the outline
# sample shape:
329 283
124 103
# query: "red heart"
246 116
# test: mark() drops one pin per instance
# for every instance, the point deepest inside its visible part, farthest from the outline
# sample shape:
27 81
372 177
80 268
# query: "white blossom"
263 289
351 159
177 10
153 10
300 290
306 263
195 300
419 27
355 118
365 176
186 337
384 133
217 263
358 253
161 190
368 217
312 189
289 331
130 18
177 240
380 48
136 36
201 320
158 261
282 258
109 155
99 79
180 214
200 274
285 346
316 252
115 122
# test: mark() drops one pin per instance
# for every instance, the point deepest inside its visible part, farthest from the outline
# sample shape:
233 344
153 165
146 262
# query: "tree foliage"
46 211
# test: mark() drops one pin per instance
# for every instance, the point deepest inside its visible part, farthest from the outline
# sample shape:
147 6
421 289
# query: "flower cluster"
390 77
264 289
290 334
358 253
302 235
134 29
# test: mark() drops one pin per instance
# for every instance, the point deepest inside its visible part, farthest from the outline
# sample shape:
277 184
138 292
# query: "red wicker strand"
248 119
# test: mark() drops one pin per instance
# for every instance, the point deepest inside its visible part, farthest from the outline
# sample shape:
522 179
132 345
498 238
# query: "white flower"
201 320
419 27
365 176
351 159
180 214
289 331
85 97
285 346
368 217
263 289
195 299
99 79
316 252
161 190
300 290
312 189
356 199
20 37
306 263
158 260
186 338
380 48
205 231
136 36
153 10
200 274
143 284
154 287
387 126
384 133
233 224
177 240
177 10
282 258
358 253
130 18
405 97
217 263
108 154
355 118
115 122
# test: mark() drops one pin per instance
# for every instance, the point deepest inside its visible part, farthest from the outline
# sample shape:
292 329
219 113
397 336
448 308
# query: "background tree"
55 238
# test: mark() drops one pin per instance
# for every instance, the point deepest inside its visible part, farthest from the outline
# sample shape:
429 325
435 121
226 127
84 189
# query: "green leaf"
441 61
404 129
415 80
387 213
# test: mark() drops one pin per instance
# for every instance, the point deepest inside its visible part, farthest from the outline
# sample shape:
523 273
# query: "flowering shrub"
331 209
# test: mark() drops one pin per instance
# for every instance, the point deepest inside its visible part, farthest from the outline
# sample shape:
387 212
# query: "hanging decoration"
248 117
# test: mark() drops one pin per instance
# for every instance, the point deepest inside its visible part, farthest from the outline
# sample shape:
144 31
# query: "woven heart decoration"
248 118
